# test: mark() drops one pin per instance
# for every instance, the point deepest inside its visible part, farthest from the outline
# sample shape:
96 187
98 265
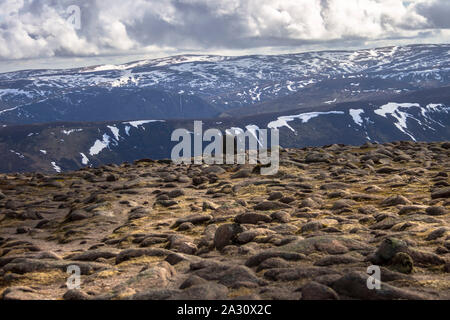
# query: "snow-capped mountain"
206 86
57 120
55 147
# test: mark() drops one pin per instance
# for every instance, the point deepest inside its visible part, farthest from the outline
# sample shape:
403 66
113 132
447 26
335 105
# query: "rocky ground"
153 230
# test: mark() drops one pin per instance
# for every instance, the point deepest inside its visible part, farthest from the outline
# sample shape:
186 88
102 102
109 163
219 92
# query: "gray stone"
316 291
226 235
75 295
441 193
271 205
436 211
252 218
354 285
395 200
135 253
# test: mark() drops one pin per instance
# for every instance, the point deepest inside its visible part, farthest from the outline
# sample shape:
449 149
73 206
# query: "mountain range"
57 120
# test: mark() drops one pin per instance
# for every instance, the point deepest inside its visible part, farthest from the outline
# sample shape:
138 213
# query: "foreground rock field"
153 230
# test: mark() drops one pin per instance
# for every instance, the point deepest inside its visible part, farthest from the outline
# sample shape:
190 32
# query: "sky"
75 33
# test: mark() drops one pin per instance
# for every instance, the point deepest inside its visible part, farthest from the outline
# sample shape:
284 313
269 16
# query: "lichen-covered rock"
402 262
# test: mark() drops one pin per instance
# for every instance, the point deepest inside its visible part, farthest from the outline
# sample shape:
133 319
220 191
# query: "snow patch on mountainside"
110 67
127 130
433 108
8 110
331 101
253 129
69 132
56 167
99 145
137 124
305 117
400 112
394 109
234 131
18 92
356 115
84 159
115 131
186 59
21 156
126 78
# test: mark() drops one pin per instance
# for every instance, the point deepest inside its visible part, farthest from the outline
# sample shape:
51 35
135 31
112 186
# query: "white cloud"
38 28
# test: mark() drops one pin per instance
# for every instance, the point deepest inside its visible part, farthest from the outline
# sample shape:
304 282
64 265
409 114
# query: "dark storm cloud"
437 13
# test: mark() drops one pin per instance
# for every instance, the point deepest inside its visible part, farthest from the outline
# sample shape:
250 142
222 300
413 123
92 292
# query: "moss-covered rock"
402 262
